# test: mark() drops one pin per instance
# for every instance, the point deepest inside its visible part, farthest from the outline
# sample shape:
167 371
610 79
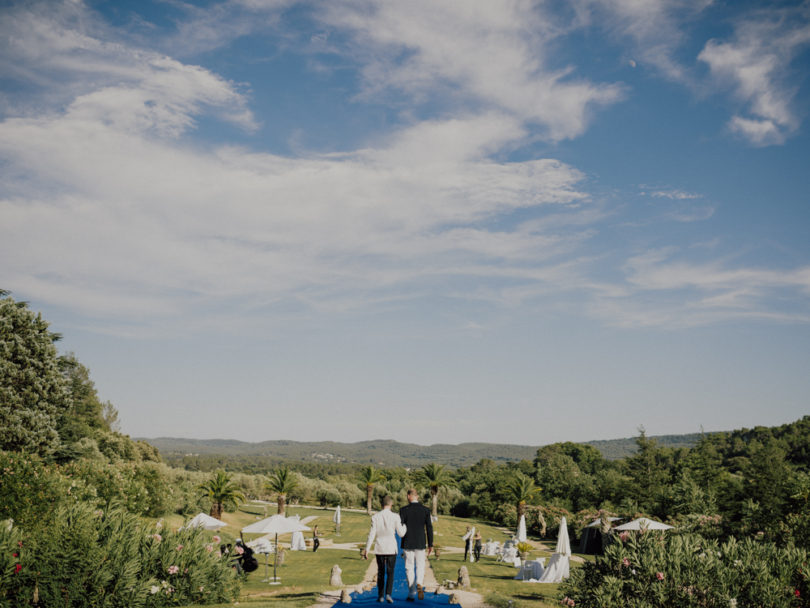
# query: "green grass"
305 575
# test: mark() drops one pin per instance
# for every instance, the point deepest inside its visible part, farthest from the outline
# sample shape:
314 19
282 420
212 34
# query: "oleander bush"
655 569
89 557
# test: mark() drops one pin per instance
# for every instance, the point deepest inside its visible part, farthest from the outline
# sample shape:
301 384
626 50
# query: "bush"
655 569
94 558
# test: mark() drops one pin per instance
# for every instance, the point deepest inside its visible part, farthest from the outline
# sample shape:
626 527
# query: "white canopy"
276 524
596 523
206 522
563 543
642 523
557 569
521 531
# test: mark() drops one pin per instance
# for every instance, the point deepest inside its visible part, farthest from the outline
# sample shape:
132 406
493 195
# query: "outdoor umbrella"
521 532
206 522
277 524
336 519
470 542
563 544
642 523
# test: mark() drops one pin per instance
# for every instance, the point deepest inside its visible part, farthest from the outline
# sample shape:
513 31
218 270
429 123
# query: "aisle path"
400 592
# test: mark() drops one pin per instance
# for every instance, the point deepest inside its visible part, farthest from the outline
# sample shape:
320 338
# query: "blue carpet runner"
400 592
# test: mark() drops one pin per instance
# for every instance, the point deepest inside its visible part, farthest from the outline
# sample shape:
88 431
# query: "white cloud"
663 291
62 49
756 66
655 27
181 228
491 55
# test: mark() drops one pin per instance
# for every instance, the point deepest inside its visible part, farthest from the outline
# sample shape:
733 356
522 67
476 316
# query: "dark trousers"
385 574
315 544
477 551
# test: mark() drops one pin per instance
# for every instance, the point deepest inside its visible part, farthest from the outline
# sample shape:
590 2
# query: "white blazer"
383 525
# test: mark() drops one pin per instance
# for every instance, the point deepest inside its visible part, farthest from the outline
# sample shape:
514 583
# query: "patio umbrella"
336 519
470 544
277 524
642 523
563 544
521 531
206 522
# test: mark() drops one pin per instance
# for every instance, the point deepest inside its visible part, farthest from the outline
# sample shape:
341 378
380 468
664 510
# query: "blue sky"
428 221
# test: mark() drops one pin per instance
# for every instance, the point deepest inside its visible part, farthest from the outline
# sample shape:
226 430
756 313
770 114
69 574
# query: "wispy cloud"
490 56
62 50
756 66
656 29
665 291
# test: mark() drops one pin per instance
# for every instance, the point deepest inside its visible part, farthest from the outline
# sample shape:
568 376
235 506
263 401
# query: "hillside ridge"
389 452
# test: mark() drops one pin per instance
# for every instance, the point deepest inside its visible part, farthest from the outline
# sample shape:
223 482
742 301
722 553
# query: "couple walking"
414 526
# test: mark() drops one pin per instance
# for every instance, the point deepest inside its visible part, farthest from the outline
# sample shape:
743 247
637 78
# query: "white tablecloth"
491 548
531 570
297 542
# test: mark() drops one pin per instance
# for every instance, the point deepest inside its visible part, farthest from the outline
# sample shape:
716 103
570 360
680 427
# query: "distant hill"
387 452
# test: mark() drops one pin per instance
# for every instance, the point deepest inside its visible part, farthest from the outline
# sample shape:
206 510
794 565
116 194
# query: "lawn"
304 575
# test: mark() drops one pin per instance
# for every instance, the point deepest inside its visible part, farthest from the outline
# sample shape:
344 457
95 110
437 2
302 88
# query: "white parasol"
521 531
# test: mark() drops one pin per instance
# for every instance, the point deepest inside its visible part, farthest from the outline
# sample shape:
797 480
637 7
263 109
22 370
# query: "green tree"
522 491
370 476
222 493
34 393
436 476
282 482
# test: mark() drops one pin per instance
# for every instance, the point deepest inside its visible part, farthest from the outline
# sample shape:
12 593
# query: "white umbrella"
470 544
336 519
521 531
642 523
563 544
206 522
277 524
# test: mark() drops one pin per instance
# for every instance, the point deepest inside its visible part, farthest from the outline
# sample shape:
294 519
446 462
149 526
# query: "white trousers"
414 558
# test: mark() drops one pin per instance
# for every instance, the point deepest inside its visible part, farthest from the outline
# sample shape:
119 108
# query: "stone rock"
453 599
345 597
463 577
334 577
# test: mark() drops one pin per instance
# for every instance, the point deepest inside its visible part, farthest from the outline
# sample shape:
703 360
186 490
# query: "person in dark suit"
416 544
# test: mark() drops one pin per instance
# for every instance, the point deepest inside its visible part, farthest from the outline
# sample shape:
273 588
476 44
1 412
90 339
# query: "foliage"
89 557
29 488
522 490
369 477
435 476
222 493
282 482
655 569
33 392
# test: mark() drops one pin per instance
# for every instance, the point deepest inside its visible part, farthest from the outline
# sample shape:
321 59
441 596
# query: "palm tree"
436 476
522 490
370 476
222 492
282 482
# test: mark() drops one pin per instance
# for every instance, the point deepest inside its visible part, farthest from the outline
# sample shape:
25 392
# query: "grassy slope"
305 574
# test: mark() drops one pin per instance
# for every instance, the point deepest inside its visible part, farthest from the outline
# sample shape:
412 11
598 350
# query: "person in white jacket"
384 525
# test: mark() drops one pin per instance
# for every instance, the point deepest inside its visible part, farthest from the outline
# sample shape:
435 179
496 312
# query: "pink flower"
216 539
157 537
179 547
173 569
239 549
624 536
209 548
626 562
659 576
